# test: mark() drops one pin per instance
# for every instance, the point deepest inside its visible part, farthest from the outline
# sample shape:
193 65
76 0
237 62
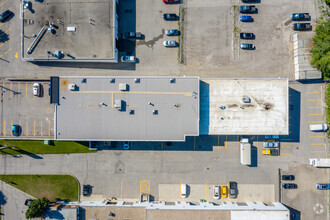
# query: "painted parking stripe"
5 53
318 144
315 122
3 3
286 146
314 92
314 107
314 100
285 154
314 114
4 42
321 151
145 187
316 136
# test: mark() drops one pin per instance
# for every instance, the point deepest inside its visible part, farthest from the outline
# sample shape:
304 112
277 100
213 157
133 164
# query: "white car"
216 192
36 89
126 145
169 43
128 59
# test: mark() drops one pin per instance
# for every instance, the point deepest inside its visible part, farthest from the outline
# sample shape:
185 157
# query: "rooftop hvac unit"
246 99
117 104
122 86
72 87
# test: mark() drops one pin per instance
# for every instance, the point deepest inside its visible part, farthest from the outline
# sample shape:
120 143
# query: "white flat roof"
224 112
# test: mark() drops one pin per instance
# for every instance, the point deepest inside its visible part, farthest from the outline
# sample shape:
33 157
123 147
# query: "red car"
171 1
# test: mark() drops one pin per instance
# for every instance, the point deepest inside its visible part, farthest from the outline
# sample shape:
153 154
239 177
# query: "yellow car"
224 191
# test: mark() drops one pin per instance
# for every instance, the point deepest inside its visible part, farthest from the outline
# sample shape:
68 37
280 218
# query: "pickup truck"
247 9
300 16
232 190
301 26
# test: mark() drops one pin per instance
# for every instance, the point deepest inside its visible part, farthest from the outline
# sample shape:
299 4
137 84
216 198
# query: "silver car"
169 43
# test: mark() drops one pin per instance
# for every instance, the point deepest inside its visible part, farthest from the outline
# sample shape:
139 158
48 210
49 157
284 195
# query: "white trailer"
245 148
320 162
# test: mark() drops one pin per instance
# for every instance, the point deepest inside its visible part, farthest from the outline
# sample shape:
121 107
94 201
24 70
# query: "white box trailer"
320 162
245 148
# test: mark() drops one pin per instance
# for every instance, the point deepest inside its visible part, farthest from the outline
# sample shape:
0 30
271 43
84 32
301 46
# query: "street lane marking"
41 128
315 122
11 90
5 53
3 3
34 128
16 56
314 114
321 151
319 144
286 154
286 146
313 92
121 190
316 136
4 127
145 187
27 128
314 107
313 100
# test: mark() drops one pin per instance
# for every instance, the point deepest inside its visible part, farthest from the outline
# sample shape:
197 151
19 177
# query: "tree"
37 208
321 50
327 1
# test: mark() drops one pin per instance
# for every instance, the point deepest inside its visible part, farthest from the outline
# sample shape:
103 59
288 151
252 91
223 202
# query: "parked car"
232 190
36 89
301 26
5 15
246 36
289 186
318 127
170 17
169 43
216 192
224 192
246 18
249 1
271 144
128 59
16 130
132 35
171 1
247 9
247 46
300 16
28 202
126 145
173 32
323 186
288 177
86 190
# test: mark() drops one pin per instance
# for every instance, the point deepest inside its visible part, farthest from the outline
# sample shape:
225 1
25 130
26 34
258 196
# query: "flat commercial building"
125 108
69 31
244 107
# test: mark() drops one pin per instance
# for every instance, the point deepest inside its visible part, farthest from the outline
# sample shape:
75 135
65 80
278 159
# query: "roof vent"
83 80
117 104
246 99
72 87
155 112
122 86
172 80
137 80
112 80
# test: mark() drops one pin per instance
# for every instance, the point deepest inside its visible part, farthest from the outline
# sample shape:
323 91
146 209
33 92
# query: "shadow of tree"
3 198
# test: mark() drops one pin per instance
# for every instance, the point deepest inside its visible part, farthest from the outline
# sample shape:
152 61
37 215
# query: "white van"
183 190
318 127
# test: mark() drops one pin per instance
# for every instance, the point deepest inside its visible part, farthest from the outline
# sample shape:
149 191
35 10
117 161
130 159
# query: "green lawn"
38 147
54 187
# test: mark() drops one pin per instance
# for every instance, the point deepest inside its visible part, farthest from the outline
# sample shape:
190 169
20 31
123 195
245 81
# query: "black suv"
290 186
5 15
288 177
86 190
170 17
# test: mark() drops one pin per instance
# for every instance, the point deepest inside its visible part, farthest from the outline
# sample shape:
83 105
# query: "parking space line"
314 114
205 191
313 92
318 144
34 128
121 190
314 107
11 90
4 42
321 151
315 122
316 136
4 127
41 127
19 122
286 146
5 52
285 154
313 100
25 90
27 128
3 3
49 128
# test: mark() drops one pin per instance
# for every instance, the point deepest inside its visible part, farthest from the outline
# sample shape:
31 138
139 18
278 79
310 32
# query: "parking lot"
35 115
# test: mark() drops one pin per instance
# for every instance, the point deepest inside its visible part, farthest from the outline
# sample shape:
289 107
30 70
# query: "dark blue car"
246 18
16 130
